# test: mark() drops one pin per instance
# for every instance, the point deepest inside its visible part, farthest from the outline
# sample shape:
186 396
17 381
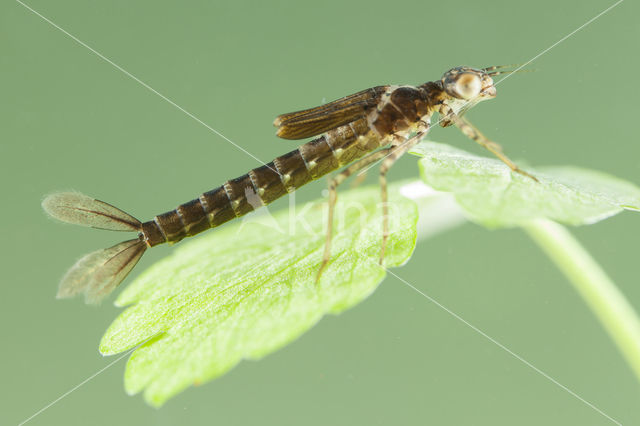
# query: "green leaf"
246 289
492 195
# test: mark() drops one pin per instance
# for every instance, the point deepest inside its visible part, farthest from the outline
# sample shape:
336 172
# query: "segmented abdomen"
264 184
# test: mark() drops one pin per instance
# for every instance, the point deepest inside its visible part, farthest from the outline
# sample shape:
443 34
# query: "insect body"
380 123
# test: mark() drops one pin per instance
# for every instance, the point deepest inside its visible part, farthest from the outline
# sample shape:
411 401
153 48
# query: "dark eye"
468 85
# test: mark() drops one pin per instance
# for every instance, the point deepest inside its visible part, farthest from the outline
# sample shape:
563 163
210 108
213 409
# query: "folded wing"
315 121
79 209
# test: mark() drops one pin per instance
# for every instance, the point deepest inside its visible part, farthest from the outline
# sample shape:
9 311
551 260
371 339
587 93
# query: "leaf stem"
603 297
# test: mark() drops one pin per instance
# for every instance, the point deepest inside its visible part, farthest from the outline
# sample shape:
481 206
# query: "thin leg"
471 132
395 153
333 197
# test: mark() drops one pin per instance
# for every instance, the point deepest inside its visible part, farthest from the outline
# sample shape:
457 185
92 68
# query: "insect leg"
471 132
333 197
396 152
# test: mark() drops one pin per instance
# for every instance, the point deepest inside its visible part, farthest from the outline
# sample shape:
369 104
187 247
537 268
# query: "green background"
70 120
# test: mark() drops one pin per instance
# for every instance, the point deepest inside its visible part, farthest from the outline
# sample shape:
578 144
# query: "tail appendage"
98 273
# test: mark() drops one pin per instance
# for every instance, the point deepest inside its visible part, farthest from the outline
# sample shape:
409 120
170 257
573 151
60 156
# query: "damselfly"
378 124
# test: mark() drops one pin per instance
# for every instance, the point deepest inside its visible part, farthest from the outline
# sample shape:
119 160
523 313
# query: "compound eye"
468 85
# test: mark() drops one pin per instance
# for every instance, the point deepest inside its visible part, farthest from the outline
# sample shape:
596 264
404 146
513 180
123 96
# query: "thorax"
402 110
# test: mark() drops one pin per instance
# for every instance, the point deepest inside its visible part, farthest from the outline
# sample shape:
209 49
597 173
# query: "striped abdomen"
264 184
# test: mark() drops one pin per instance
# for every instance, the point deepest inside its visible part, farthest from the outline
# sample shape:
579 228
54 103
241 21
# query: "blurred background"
70 120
